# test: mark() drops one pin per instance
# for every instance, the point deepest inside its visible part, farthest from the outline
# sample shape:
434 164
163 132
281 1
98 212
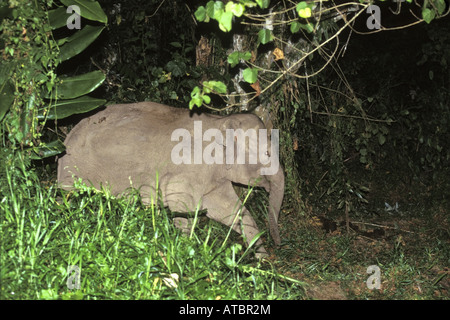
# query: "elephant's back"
110 123
120 140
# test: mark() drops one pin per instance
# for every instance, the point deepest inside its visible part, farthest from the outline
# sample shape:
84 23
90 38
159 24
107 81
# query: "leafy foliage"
30 86
123 249
148 52
330 130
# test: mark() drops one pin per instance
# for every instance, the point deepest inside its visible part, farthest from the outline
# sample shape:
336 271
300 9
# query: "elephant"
191 158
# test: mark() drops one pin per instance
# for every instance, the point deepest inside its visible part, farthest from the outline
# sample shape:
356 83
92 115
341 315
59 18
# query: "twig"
381 226
347 220
157 9
351 116
364 237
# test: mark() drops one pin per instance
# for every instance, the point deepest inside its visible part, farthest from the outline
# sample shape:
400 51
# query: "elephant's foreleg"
224 206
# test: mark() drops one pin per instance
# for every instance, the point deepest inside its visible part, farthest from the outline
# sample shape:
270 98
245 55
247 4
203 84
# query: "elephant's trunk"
275 200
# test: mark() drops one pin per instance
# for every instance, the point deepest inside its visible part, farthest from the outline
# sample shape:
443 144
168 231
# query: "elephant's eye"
267 153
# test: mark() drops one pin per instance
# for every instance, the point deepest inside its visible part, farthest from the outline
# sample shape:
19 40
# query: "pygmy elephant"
196 158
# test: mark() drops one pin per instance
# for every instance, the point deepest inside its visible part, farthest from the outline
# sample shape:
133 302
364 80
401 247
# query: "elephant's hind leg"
184 224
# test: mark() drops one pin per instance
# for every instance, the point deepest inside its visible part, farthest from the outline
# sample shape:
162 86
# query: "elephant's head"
252 157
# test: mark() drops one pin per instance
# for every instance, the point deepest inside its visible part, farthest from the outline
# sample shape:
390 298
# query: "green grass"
122 248
125 249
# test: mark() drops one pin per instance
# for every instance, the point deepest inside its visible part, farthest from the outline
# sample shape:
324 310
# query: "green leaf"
381 139
5 12
176 44
195 102
246 55
385 129
74 87
207 88
303 9
48 150
58 17
24 118
206 98
236 8
263 4
295 27
195 92
428 15
177 68
215 9
248 3
196 98
200 14
6 68
216 86
440 6
264 36
235 57
301 5
65 108
79 41
250 75
239 10
88 9
308 27
225 21
6 97
220 87
305 13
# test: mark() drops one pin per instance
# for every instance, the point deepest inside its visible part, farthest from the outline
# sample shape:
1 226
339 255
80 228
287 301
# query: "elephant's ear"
231 122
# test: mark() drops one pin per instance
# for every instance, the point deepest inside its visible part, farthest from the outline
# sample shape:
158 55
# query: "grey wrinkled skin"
126 146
